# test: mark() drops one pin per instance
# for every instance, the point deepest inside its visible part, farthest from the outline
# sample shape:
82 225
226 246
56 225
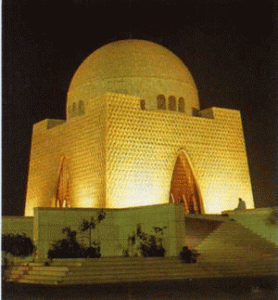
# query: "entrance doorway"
184 187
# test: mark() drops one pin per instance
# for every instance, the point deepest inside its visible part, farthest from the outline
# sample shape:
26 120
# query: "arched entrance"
62 190
184 188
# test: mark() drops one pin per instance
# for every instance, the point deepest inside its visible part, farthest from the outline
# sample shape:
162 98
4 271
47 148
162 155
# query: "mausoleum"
134 136
136 144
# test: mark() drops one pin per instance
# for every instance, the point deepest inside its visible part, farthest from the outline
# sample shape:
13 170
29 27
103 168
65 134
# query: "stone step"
47 273
130 277
182 270
135 270
42 277
246 267
230 255
98 267
103 264
42 282
120 276
51 268
141 269
232 238
241 267
112 260
124 272
15 272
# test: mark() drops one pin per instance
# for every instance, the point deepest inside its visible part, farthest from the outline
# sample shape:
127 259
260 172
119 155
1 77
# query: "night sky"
230 47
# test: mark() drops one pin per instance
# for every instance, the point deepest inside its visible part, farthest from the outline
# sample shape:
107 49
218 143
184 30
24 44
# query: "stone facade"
123 156
135 136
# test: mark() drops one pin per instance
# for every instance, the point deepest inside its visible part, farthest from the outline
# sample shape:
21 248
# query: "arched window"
172 103
69 111
81 108
161 102
143 104
181 104
74 110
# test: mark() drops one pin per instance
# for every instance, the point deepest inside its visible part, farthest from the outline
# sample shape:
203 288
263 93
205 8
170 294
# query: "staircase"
106 270
119 270
226 249
261 225
16 272
233 250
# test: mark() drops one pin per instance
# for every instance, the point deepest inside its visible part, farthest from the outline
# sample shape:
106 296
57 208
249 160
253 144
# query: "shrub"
67 247
187 256
91 225
17 245
149 245
93 252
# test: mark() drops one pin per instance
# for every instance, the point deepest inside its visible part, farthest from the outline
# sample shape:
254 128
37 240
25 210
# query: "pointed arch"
184 186
62 190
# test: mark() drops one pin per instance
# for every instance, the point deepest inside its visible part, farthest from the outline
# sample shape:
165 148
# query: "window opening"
74 110
143 104
69 111
181 104
161 102
81 108
195 112
172 103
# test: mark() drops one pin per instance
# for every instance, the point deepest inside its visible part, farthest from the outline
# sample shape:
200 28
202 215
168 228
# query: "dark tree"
90 225
17 245
187 256
67 247
150 245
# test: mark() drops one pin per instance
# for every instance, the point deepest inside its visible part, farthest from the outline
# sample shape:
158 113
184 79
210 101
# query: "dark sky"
229 46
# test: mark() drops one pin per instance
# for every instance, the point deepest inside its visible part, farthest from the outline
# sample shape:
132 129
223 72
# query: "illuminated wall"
143 146
82 142
123 156
120 142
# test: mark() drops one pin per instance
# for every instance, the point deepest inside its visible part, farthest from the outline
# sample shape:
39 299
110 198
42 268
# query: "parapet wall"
17 225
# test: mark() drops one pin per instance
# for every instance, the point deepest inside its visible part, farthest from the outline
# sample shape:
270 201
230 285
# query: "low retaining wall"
114 230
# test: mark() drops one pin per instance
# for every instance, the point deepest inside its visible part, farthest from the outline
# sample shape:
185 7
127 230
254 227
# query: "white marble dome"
133 67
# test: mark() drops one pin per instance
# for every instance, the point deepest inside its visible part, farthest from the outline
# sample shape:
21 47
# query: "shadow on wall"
144 244
69 247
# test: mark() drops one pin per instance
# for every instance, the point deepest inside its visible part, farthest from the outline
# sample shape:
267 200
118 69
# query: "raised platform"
227 247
